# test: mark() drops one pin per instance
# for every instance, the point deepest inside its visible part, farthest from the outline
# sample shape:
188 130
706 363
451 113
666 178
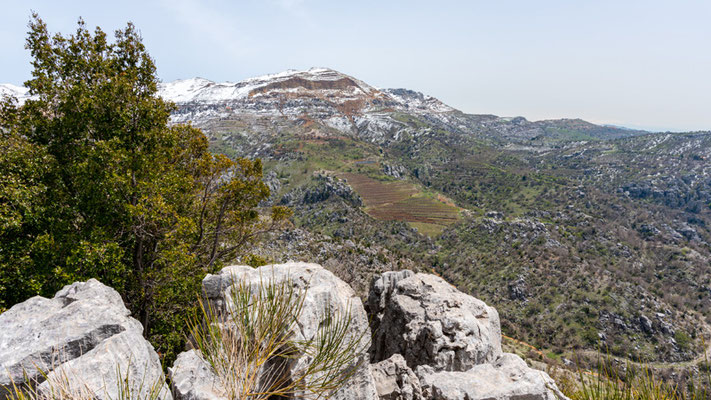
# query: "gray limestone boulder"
192 379
394 380
508 378
429 322
83 336
324 293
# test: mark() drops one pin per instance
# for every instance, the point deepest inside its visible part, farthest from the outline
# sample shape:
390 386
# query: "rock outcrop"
324 293
508 378
451 340
84 336
430 341
394 380
429 322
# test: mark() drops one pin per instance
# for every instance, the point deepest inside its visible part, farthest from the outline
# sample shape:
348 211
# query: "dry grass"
61 382
632 383
252 345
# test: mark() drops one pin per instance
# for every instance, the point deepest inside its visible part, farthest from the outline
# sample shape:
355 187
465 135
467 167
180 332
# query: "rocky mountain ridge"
349 106
346 105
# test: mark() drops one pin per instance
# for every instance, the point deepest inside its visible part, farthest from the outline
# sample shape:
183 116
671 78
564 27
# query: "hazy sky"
634 63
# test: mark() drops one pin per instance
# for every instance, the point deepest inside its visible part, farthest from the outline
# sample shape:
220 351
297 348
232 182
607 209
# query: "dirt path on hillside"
705 356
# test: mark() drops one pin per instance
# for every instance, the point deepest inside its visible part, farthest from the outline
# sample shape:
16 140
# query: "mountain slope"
343 105
582 236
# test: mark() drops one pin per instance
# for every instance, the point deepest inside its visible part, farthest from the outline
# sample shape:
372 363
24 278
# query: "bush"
682 340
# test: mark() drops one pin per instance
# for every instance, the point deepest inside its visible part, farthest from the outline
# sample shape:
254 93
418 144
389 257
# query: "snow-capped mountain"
321 102
292 92
321 80
19 92
329 102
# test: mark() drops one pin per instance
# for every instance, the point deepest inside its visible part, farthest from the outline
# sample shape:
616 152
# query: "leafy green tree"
95 182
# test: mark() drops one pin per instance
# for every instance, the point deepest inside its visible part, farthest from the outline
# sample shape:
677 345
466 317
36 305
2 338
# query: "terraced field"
403 201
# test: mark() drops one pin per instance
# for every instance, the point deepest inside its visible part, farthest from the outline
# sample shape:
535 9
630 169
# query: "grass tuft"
252 345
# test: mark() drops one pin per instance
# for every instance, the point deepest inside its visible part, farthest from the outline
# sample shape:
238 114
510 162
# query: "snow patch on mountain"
321 100
288 82
411 100
19 92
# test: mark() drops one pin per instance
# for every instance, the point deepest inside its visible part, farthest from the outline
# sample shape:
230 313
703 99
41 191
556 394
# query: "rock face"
192 379
325 187
84 335
394 380
509 378
429 322
452 340
324 292
85 339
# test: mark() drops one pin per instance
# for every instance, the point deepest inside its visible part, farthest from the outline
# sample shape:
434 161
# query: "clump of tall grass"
635 383
253 347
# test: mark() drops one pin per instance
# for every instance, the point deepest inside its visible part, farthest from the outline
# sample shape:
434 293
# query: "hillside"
582 236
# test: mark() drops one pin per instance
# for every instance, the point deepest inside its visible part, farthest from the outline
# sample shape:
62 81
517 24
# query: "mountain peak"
315 81
19 92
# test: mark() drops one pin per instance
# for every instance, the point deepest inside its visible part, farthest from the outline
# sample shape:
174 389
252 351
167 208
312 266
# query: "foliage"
631 384
96 183
614 380
251 345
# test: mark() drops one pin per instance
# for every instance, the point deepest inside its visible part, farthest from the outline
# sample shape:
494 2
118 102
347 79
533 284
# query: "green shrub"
682 340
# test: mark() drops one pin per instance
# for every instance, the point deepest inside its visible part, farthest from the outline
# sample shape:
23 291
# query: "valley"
584 237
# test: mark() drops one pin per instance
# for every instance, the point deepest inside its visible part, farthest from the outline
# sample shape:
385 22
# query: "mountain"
584 237
342 104
19 92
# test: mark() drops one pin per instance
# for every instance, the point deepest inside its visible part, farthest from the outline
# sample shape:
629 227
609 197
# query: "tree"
95 182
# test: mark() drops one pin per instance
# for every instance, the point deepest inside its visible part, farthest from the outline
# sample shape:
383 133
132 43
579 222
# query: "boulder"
394 380
324 292
429 322
192 379
84 337
508 378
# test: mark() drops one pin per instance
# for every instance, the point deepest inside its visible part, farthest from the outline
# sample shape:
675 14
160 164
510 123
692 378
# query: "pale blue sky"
634 63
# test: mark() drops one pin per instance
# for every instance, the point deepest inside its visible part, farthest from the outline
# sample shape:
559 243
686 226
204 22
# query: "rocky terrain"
81 341
583 236
430 341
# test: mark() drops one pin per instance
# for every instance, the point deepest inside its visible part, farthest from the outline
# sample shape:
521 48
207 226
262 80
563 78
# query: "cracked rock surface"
395 380
429 322
509 378
83 335
192 379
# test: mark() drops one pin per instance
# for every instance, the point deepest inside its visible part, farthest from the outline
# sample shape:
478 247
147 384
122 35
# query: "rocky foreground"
429 341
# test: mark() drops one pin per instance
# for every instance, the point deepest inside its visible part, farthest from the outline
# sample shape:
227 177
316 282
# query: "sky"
641 64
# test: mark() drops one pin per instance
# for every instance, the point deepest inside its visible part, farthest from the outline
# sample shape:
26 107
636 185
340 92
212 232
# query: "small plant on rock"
257 349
